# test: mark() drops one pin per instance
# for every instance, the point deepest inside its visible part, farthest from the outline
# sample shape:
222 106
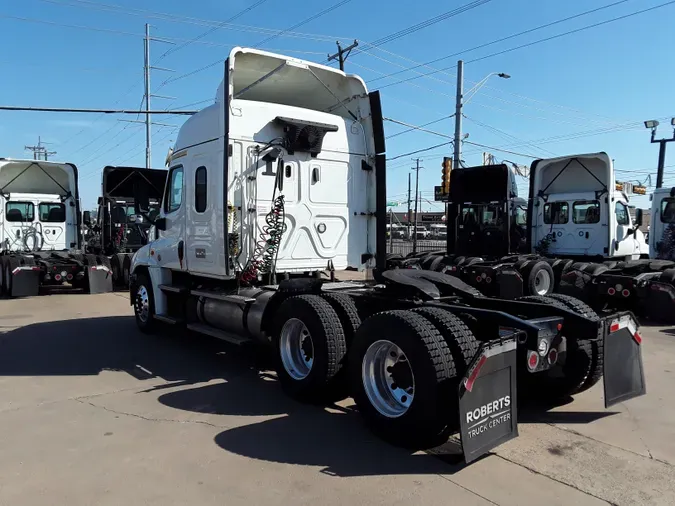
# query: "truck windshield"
586 211
556 213
20 211
668 210
488 214
52 212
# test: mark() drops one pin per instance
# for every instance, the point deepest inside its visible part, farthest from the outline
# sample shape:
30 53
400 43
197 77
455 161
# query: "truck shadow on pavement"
333 438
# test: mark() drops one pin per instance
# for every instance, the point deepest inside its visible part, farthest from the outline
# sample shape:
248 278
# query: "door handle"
316 175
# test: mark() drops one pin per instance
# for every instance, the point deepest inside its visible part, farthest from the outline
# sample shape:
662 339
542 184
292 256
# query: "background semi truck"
284 176
574 235
116 231
40 230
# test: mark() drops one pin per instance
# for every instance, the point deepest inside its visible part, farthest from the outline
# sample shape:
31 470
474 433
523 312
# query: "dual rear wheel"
401 367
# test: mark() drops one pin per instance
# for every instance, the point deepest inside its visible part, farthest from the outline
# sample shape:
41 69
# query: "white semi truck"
283 177
40 230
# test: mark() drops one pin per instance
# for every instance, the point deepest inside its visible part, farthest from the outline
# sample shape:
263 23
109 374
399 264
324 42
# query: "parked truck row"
283 176
574 235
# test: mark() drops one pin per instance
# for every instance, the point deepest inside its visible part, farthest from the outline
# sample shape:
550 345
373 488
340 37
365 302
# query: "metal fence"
405 247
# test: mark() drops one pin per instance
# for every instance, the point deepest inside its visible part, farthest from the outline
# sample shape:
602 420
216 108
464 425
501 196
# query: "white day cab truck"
574 236
40 230
284 177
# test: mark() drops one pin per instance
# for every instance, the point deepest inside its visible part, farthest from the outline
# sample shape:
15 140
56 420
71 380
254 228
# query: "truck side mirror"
86 218
630 231
638 217
141 199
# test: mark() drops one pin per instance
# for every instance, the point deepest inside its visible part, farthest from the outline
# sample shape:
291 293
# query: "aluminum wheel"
388 379
296 349
142 304
542 282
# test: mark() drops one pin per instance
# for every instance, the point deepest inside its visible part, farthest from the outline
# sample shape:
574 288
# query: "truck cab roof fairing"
268 77
38 176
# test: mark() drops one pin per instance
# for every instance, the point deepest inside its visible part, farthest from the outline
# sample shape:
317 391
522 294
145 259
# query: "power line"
424 24
174 18
264 41
412 128
508 136
101 111
529 44
502 39
501 150
213 29
420 151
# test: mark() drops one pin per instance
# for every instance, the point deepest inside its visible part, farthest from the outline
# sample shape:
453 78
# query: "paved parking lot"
93 412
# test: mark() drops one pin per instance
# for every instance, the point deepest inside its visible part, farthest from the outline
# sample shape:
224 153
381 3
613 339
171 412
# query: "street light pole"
459 105
417 185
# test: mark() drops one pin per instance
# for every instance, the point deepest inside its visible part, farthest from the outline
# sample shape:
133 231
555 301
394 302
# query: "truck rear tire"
668 276
310 348
116 268
595 269
597 347
570 378
403 379
144 304
538 277
459 338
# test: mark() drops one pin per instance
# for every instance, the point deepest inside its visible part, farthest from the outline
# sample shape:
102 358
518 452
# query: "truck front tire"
144 304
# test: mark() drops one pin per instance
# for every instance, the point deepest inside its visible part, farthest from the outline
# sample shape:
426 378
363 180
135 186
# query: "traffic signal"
639 189
445 181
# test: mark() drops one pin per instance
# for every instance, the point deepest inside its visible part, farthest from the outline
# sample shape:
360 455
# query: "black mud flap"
659 302
25 281
510 284
488 399
624 376
99 279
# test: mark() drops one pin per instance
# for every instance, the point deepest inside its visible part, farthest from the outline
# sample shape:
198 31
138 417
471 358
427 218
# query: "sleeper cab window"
201 189
174 190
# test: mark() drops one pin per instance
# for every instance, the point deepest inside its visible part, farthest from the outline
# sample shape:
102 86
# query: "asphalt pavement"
92 412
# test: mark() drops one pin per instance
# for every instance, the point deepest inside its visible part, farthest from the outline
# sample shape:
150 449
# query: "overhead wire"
539 41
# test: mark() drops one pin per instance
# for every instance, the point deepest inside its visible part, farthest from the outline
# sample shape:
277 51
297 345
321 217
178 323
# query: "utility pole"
146 71
40 151
417 185
458 114
407 230
148 129
342 54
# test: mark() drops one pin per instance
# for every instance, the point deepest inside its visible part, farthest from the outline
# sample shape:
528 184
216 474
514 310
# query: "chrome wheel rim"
388 379
542 282
142 305
296 349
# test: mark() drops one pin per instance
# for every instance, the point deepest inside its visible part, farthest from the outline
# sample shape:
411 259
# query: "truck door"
662 230
625 245
202 229
19 218
589 231
553 228
170 247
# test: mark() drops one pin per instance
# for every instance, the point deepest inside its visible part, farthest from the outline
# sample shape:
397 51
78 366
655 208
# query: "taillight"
552 356
625 292
532 360
478 279
611 291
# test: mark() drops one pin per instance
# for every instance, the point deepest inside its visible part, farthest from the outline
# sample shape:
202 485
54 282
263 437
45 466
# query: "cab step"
217 333
168 319
237 299
173 288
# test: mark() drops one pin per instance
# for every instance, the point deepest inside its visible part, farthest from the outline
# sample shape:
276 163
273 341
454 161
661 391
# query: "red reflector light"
625 292
532 360
54 268
57 277
552 357
488 279
93 268
559 327
637 337
478 279
69 277
611 291
468 384
614 327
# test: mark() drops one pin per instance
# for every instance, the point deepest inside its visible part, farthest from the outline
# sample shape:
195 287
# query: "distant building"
423 218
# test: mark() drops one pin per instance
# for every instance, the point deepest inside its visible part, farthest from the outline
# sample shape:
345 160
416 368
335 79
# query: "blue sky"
584 92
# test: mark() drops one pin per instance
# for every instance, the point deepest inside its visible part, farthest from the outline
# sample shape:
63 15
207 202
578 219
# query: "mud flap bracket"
624 376
488 399
99 279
